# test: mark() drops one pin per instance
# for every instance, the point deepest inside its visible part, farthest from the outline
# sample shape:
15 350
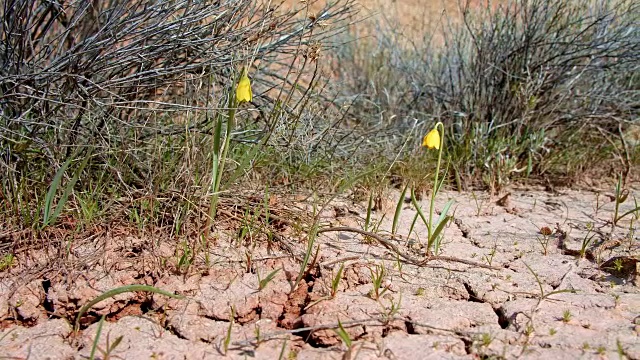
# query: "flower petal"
432 140
243 91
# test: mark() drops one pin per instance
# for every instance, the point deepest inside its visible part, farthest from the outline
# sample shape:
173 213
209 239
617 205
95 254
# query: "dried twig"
406 257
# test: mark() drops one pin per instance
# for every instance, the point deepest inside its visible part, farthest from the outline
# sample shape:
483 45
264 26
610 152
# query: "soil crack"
466 230
503 320
473 296
47 304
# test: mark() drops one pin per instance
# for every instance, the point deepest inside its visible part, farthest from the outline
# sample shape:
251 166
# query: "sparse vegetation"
222 133
308 262
492 253
621 195
513 94
6 262
590 54
389 312
586 240
379 282
110 345
486 339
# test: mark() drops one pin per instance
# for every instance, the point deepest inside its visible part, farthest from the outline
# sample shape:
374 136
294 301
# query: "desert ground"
532 272
501 286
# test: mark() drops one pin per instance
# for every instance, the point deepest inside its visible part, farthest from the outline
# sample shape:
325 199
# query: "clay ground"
493 293
506 299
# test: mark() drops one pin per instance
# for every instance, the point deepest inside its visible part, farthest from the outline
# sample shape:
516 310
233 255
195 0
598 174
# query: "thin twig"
327 264
407 257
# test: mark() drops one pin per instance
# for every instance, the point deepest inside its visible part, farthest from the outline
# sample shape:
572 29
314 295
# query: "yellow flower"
243 91
432 139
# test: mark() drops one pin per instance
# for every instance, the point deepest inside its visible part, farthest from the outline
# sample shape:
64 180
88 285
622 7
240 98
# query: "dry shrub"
136 85
521 86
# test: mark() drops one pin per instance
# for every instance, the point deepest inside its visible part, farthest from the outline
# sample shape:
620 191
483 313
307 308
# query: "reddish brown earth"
493 293
524 305
412 17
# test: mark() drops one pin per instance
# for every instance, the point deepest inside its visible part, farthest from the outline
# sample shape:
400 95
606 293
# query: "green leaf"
413 224
445 211
307 256
396 215
537 279
628 213
418 209
438 230
227 339
282 349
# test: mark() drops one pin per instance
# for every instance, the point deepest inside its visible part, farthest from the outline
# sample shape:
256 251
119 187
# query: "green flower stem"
219 159
435 189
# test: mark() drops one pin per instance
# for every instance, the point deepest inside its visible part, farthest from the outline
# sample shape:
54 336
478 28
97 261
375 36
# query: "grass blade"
264 282
227 339
120 290
414 201
312 239
344 335
396 215
369 207
336 280
445 211
413 225
437 231
94 347
69 188
48 216
284 347
634 210
443 219
53 188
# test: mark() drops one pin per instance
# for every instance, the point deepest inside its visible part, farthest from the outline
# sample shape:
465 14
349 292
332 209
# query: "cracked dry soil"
507 300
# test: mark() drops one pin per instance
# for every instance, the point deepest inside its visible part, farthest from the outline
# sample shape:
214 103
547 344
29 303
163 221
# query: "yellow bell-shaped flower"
243 90
432 139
